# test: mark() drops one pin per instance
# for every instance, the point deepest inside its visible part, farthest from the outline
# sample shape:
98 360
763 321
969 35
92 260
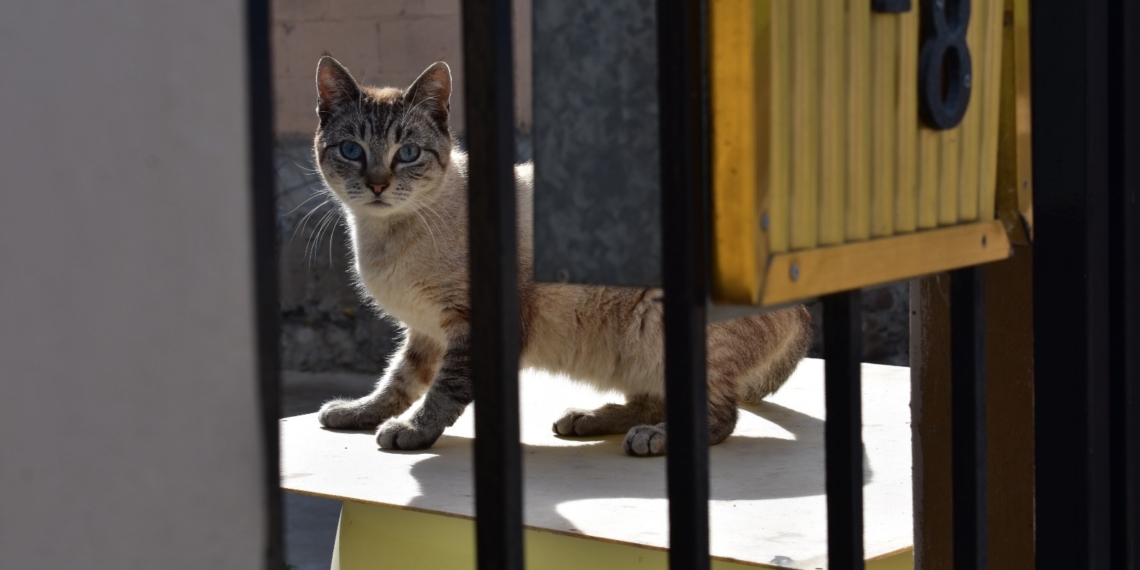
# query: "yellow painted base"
373 537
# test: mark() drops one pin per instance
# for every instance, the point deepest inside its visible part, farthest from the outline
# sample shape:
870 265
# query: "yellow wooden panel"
779 139
930 179
901 560
950 155
929 172
970 130
833 189
739 104
989 91
858 120
805 101
852 266
884 117
372 537
906 193
840 154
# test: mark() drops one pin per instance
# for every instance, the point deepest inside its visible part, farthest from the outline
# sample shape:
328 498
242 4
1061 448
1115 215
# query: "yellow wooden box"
824 176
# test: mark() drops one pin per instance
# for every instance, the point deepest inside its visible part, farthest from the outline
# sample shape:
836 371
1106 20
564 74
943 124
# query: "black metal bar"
968 417
494 282
682 94
1070 276
1128 70
843 430
1124 267
266 305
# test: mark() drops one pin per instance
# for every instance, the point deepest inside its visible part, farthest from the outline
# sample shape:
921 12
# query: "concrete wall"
129 426
383 42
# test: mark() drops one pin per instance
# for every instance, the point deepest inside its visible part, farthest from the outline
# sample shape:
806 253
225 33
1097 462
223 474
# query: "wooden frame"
811 273
825 179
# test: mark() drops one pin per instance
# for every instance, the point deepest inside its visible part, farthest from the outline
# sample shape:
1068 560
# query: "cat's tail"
779 365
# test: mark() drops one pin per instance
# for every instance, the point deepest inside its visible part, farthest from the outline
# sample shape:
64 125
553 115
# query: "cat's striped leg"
612 418
445 401
408 375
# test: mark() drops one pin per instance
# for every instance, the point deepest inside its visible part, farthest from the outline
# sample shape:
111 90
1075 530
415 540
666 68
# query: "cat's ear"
335 86
432 91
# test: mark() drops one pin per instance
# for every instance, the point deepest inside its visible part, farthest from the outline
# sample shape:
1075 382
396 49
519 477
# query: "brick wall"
383 42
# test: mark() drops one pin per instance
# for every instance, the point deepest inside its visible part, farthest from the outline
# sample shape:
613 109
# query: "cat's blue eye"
351 150
408 153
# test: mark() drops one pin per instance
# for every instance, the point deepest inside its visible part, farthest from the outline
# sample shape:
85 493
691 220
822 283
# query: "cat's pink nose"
378 189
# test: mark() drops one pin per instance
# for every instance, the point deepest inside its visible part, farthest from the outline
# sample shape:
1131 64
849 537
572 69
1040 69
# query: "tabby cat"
389 157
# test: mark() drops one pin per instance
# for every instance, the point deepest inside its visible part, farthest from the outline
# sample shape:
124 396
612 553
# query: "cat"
389 157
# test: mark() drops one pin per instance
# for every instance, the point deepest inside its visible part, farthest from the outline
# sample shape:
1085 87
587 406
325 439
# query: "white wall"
129 434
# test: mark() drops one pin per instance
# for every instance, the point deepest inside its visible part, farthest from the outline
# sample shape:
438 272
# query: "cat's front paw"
348 414
396 434
577 423
645 440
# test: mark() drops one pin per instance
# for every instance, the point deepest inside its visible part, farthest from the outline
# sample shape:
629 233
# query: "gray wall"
129 433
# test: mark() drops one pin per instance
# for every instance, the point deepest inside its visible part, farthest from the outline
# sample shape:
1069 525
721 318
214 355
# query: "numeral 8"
944 67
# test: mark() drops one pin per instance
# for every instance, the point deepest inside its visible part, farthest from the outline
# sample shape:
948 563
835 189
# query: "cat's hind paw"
348 415
645 440
396 434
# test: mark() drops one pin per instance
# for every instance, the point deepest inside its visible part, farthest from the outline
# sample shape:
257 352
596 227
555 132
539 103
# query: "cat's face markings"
383 151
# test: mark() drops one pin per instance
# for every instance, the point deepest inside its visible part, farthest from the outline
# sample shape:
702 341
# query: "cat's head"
382 151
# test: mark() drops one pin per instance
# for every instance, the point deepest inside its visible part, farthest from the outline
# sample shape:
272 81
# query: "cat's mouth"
378 203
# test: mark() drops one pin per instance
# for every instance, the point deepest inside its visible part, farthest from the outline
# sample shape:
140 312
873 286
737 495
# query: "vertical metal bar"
494 282
266 305
1070 275
681 56
1128 149
843 430
1124 267
1118 414
968 418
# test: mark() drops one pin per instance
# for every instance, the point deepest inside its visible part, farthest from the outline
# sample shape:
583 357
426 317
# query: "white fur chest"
398 294
401 270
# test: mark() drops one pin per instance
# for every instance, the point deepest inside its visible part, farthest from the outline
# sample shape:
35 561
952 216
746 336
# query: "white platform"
767 480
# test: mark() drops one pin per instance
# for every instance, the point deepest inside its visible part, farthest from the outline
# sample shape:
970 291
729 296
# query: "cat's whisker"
312 257
305 220
329 222
310 171
306 201
436 215
434 243
311 246
431 210
336 224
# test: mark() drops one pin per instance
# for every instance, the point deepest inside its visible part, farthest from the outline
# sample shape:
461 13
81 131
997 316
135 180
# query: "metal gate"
1083 220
